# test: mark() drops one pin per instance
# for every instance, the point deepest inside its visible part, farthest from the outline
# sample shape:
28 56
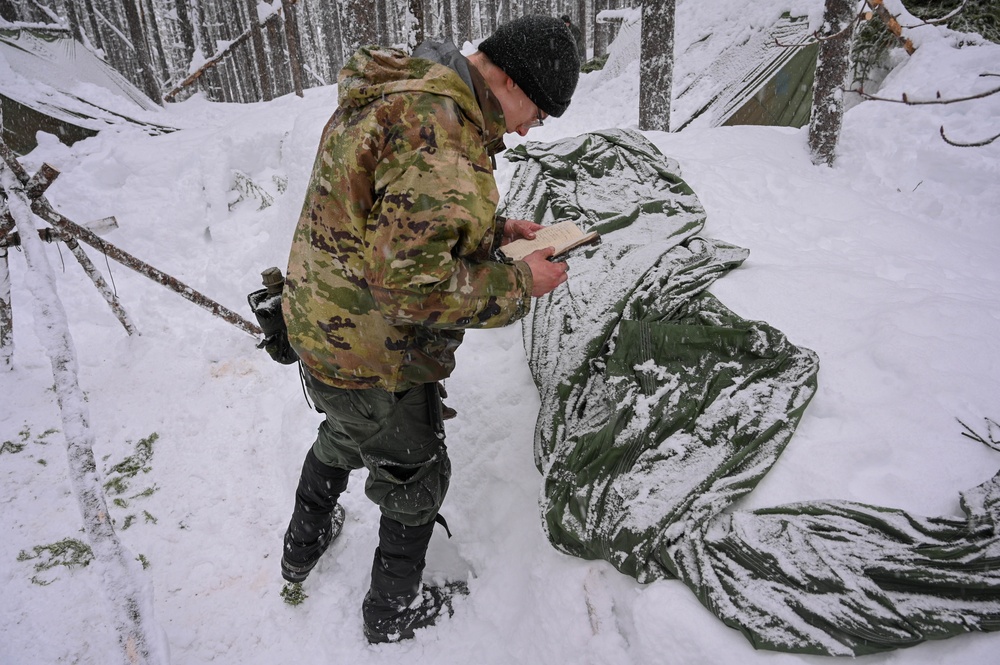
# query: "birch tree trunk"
141 641
832 67
656 68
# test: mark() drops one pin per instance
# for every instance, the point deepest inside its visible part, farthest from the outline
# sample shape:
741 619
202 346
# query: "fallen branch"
216 59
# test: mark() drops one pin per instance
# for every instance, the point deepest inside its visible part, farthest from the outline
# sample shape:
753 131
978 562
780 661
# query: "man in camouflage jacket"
392 260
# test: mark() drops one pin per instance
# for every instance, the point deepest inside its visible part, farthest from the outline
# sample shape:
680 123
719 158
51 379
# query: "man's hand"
514 229
545 274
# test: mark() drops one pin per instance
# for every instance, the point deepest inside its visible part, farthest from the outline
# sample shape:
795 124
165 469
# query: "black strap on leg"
439 518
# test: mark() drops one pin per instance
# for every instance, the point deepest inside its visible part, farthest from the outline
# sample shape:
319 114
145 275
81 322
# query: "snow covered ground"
885 265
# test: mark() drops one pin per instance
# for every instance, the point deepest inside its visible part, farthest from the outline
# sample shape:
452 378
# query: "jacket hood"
373 72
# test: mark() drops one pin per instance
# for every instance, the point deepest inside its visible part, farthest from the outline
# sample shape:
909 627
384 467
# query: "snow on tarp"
55 84
759 67
660 408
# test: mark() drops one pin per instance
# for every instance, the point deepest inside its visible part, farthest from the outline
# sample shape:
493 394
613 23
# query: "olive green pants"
398 437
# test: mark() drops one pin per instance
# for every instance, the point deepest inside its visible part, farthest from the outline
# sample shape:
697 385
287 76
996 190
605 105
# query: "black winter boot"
317 518
397 604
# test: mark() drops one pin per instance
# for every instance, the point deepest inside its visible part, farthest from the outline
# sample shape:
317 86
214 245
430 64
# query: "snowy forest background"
885 265
157 44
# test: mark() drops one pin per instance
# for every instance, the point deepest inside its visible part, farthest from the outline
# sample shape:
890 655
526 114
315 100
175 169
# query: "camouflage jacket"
391 258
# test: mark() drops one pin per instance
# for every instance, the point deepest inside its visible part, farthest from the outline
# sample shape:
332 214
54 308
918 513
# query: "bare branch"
935 21
987 440
976 144
918 102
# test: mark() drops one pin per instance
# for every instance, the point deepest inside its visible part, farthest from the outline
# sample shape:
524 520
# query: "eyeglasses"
537 122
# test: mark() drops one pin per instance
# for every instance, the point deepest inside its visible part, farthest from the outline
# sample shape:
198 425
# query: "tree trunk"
260 57
416 31
656 68
96 40
600 30
292 38
150 27
832 67
186 33
357 25
381 23
464 15
581 22
74 22
149 83
449 24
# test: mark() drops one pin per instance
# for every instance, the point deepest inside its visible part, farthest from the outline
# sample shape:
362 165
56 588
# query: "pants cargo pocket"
409 485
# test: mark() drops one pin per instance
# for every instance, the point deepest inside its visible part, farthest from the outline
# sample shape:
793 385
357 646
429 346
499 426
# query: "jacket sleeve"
434 212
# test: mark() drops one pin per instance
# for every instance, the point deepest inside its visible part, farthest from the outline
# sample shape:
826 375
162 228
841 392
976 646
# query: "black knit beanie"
539 54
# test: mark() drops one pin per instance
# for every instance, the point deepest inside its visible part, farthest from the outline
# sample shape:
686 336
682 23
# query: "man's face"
519 112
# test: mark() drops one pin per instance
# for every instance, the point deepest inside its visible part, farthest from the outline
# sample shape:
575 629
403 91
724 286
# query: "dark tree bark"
152 29
292 38
464 15
260 57
581 21
417 31
656 68
186 33
600 30
149 83
449 26
832 67
382 23
357 25
74 22
95 33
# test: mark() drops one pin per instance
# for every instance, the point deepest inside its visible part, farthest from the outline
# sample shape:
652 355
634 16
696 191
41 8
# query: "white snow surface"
886 265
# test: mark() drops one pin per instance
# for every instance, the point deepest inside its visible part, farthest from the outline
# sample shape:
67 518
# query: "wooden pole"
34 189
140 640
65 226
6 313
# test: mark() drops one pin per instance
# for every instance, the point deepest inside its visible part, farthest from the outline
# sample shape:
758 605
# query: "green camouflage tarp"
660 408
